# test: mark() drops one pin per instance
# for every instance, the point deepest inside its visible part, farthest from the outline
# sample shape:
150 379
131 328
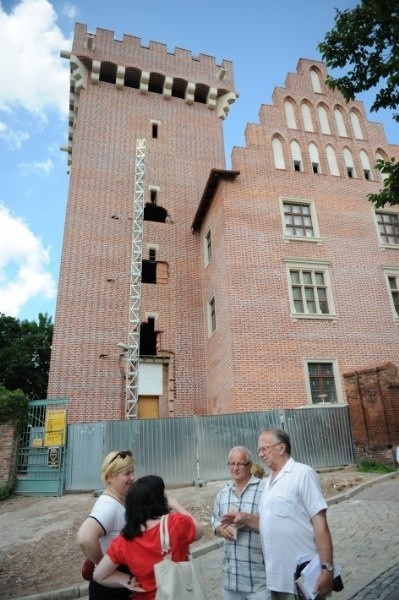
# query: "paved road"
365 529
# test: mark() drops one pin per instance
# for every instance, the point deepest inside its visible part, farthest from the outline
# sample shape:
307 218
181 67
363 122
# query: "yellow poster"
55 426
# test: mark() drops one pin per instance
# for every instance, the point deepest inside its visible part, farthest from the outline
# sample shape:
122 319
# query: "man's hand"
241 520
324 583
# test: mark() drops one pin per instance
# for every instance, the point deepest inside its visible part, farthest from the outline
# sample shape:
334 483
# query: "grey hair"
244 450
281 436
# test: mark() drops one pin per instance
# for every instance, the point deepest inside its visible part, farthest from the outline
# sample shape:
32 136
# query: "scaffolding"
133 342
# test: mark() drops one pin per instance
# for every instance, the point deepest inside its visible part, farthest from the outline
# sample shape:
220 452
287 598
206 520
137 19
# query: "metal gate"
42 449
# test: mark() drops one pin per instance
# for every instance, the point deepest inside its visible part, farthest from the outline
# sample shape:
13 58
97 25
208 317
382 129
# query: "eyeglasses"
267 448
122 454
237 464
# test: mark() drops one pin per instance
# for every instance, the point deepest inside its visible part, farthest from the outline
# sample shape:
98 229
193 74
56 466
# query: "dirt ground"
38 550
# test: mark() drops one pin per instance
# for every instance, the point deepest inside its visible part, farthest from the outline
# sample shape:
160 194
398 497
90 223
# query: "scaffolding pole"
133 342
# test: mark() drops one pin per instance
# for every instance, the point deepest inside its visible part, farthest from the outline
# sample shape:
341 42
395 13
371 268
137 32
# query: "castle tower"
122 92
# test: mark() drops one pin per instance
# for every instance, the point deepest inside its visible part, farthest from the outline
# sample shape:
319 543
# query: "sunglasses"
122 454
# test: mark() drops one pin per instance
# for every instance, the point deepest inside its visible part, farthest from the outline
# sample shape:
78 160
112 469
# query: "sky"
264 39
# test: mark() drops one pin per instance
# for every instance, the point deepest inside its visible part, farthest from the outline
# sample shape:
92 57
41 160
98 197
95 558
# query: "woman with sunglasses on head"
106 520
139 545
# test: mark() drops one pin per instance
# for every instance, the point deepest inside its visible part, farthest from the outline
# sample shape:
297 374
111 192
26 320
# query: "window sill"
301 317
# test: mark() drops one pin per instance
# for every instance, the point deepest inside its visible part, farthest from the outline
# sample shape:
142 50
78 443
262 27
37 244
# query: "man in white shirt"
292 518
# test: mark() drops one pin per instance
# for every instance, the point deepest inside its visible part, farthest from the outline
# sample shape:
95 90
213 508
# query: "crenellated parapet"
150 69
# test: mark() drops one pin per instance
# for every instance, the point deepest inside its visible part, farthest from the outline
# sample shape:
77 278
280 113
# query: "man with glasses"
243 566
292 518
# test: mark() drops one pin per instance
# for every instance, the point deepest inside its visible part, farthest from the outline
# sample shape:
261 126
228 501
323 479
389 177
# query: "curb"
81 590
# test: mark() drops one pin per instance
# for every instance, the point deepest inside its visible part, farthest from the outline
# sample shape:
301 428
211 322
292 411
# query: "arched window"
315 78
314 158
323 118
350 167
364 159
296 156
339 119
278 153
332 160
307 117
290 114
380 155
357 130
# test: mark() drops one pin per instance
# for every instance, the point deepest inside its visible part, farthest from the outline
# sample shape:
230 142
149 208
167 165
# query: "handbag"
176 580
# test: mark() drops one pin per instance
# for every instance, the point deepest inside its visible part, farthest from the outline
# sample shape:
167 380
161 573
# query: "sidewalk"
364 523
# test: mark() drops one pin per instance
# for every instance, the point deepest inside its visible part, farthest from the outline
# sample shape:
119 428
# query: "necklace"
114 496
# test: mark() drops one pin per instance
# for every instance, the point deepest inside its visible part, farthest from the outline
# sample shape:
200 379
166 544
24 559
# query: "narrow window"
278 153
323 119
339 119
350 169
155 130
296 156
149 268
332 160
314 158
357 130
153 196
394 287
364 159
208 247
211 316
307 117
290 114
298 220
388 227
322 382
315 79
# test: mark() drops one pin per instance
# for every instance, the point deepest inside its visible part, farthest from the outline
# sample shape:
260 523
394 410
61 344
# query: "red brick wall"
257 359
373 399
7 454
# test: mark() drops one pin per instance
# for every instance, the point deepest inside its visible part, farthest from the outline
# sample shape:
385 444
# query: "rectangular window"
298 219
310 289
388 227
322 382
208 247
211 316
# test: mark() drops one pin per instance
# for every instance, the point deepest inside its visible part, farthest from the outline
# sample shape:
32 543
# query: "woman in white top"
107 518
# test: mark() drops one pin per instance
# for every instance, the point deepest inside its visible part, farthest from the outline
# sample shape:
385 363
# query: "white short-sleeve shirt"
110 514
286 508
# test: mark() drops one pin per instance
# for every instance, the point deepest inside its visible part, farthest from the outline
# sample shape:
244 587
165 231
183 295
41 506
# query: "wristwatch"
328 567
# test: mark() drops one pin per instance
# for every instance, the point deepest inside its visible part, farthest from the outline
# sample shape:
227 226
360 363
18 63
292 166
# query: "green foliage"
370 466
25 349
13 407
365 40
5 490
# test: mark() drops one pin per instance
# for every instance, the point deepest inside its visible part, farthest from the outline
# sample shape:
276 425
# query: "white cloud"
32 74
23 262
13 138
45 166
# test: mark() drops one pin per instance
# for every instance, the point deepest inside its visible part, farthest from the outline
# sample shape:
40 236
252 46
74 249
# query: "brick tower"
122 92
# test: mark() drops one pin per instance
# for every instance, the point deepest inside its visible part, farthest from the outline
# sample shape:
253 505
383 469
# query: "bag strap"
164 535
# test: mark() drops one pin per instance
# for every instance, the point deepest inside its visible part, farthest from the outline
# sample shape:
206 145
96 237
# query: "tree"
366 40
25 348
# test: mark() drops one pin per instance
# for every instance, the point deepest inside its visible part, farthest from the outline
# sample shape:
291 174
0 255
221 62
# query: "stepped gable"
102 46
299 89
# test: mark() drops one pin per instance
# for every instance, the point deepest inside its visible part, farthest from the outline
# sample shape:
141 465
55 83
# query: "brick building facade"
261 285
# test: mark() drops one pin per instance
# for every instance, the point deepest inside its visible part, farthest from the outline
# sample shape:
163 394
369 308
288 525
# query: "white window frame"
208 247
381 241
311 265
211 315
391 271
337 381
313 215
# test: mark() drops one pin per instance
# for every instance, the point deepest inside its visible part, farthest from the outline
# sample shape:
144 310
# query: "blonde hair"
257 471
114 463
